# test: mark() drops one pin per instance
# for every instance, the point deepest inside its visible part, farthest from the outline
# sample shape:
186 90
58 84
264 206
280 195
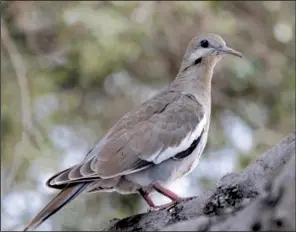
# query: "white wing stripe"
184 145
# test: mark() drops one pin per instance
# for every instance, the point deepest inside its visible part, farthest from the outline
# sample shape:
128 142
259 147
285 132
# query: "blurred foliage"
87 63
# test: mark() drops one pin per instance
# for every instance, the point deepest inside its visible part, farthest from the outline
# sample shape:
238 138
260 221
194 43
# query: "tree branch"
259 197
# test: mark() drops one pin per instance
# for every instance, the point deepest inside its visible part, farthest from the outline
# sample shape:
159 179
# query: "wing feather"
162 127
155 139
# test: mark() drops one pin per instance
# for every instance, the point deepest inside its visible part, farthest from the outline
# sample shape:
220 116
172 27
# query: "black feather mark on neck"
159 111
197 61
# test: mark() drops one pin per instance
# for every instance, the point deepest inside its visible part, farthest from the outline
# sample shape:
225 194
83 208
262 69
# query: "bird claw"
151 209
161 207
169 205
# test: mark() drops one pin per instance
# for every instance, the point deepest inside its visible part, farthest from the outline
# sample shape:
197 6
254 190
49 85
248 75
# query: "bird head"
207 50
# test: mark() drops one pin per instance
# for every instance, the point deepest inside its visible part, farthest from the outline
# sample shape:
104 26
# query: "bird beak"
227 50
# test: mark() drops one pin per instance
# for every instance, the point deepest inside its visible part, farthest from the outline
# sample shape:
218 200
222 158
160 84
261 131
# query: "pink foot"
164 206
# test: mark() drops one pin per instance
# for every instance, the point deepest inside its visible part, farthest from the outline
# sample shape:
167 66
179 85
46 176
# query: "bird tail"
64 197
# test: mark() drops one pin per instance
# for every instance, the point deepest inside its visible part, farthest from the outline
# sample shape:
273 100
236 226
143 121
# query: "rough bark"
261 197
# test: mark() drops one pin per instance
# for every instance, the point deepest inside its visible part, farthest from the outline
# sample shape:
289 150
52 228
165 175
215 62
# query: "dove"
152 145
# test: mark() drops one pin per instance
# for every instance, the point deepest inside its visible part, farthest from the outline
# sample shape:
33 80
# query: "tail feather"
64 197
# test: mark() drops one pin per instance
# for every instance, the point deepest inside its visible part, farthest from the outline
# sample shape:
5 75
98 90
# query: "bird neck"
195 80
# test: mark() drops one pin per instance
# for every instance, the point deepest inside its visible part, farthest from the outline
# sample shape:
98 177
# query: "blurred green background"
71 69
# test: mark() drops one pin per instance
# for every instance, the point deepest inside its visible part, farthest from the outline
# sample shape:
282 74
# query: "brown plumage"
150 146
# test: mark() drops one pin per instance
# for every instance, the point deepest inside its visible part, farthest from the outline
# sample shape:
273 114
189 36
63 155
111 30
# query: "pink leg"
162 190
145 195
166 192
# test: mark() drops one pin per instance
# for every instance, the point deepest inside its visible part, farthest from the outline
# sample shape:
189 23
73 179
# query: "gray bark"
260 198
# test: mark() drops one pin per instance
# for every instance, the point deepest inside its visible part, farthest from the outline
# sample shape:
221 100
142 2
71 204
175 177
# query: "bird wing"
162 127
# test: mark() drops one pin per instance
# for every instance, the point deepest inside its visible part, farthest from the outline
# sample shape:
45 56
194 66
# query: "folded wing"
162 127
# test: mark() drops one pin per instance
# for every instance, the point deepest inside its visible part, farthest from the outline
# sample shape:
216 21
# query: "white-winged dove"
154 144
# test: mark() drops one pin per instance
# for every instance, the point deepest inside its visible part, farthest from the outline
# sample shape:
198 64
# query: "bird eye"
204 43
